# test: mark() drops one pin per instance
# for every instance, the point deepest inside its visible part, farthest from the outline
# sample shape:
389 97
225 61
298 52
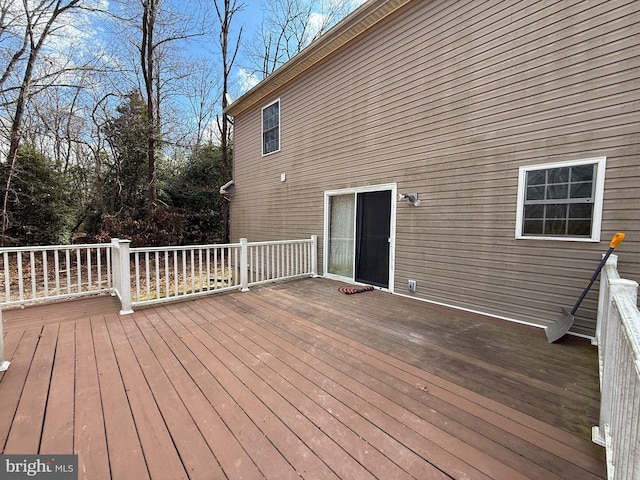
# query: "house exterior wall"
449 99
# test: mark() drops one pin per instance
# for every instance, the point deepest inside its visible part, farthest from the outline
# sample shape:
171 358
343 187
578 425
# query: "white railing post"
618 340
314 256
122 273
244 265
3 363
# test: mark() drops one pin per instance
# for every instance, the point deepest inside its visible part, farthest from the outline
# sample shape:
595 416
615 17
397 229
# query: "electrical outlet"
412 285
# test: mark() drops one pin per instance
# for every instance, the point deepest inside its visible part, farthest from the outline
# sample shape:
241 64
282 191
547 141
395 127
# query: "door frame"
393 188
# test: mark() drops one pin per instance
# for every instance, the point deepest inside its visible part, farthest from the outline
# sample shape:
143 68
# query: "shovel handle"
615 241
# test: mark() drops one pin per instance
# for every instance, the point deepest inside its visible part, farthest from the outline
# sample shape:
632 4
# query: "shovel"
556 330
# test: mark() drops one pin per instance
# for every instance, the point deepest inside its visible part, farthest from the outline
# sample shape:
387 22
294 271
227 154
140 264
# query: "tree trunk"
225 16
147 54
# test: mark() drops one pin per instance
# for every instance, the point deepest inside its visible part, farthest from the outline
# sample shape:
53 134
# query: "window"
271 128
561 200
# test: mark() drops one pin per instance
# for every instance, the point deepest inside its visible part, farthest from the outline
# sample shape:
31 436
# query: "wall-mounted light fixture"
410 198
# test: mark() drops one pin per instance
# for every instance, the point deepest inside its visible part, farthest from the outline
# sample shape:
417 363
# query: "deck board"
90 441
57 432
160 452
296 380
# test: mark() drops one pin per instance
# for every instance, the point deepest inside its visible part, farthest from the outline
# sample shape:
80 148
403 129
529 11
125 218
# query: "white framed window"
271 128
561 201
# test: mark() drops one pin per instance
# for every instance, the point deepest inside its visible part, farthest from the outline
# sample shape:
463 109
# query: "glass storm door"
359 233
373 222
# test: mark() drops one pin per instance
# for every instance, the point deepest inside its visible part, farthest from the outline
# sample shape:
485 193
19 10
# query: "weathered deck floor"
297 380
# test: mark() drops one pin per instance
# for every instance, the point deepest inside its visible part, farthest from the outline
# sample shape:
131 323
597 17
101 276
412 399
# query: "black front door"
373 225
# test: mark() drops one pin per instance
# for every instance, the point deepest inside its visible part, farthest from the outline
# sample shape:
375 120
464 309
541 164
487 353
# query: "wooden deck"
297 380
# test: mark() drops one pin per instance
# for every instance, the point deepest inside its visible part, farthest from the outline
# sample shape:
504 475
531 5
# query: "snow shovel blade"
557 330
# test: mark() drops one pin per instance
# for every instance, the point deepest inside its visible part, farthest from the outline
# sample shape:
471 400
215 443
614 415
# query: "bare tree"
157 30
202 89
229 52
147 61
288 26
29 27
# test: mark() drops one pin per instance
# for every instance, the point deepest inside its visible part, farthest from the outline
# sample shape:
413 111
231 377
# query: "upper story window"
271 128
561 201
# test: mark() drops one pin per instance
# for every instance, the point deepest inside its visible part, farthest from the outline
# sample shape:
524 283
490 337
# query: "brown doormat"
352 290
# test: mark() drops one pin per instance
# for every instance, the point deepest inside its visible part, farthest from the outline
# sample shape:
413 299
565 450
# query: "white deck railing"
168 273
618 340
162 274
36 274
140 276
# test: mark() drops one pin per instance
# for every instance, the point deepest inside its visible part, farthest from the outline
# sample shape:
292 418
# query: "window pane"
581 210
558 175
581 190
557 191
533 227
555 227
271 141
270 117
580 228
536 177
535 193
582 173
341 234
533 211
556 211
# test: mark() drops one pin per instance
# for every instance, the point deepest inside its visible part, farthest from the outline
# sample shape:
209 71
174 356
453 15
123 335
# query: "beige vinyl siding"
449 99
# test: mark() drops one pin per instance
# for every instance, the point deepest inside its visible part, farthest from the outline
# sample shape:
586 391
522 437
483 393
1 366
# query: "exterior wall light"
410 198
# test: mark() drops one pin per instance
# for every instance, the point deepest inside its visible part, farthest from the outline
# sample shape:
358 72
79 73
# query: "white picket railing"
36 274
162 274
140 276
280 260
168 273
618 340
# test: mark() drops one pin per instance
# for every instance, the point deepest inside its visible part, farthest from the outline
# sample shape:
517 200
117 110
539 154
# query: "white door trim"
393 187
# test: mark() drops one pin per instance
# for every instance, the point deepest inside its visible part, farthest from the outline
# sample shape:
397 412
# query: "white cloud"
246 80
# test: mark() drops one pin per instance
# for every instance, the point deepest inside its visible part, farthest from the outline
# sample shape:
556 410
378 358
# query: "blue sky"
250 18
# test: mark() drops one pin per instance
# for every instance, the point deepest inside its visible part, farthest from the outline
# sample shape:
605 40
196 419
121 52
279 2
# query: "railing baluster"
79 270
109 259
89 273
208 261
200 272
33 272
167 274
157 267
67 257
7 279
20 277
45 273
193 269
223 274
147 273
56 268
136 261
215 268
